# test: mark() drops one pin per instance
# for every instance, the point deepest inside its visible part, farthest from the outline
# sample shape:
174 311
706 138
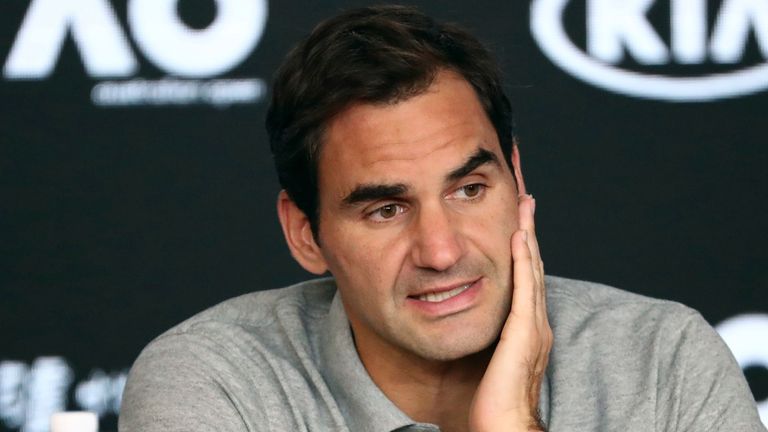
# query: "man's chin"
457 346
463 339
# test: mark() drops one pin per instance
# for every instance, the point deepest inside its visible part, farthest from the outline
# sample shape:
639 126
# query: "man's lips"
439 294
446 300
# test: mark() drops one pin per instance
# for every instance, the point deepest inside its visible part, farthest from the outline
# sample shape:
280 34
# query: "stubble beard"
473 330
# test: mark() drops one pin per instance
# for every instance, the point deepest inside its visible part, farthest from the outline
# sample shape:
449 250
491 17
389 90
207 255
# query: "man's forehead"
385 155
449 107
423 137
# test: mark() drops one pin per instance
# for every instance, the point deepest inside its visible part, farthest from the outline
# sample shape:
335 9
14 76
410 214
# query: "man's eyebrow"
372 192
479 158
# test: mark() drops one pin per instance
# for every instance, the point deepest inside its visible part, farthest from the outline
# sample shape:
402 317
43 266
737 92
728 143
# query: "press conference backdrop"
137 186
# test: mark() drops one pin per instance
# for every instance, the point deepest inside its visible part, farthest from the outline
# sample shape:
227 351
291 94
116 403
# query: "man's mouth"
445 295
448 299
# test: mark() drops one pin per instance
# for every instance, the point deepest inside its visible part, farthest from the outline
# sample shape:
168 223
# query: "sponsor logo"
617 28
746 336
191 57
30 394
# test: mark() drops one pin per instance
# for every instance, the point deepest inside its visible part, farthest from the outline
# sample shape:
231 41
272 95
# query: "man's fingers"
524 295
526 210
527 207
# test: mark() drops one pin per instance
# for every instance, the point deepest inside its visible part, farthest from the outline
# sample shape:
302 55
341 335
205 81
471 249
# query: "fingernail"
533 205
525 236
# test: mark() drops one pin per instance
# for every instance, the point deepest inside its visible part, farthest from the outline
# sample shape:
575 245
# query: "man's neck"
428 391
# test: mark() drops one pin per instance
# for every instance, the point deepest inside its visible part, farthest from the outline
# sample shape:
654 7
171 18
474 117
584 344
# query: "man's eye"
469 191
386 212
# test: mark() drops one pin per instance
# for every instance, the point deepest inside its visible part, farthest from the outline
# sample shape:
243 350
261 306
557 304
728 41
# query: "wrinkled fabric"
285 360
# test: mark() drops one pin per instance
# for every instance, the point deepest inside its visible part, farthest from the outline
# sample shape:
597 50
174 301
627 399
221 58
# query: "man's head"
402 159
378 55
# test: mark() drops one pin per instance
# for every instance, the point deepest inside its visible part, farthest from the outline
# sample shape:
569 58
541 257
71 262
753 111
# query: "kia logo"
619 27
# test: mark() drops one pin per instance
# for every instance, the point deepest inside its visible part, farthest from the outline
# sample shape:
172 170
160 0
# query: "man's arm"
508 396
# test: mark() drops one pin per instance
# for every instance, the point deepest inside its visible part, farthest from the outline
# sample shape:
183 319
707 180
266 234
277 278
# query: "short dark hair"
381 54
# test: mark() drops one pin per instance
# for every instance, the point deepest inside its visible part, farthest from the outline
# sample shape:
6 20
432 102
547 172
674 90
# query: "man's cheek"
495 236
506 221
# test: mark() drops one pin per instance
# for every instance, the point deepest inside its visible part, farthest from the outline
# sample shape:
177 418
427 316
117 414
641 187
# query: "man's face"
417 206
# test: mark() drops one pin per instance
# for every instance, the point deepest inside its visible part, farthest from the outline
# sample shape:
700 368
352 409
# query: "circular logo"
624 24
746 336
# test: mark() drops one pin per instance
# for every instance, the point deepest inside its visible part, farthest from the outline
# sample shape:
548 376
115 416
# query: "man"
393 142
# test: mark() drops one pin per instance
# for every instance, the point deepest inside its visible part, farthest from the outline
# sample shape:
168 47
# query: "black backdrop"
130 200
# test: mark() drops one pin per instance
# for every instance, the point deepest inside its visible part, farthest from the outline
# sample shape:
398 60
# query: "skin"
398 218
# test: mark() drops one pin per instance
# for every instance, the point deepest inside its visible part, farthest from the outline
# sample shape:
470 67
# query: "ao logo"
156 28
747 338
616 25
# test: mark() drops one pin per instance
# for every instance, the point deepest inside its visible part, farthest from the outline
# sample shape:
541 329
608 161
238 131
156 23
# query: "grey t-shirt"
284 360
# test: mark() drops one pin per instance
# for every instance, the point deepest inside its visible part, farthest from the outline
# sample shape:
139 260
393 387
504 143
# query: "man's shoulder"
253 328
587 313
205 369
608 330
311 298
631 362
578 299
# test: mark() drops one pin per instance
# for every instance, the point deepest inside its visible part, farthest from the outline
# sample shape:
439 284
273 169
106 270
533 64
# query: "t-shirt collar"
363 404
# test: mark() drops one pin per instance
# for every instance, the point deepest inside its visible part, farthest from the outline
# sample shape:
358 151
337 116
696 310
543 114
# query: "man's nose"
438 243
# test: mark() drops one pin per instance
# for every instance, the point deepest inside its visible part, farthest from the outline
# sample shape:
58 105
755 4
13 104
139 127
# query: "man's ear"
298 235
517 169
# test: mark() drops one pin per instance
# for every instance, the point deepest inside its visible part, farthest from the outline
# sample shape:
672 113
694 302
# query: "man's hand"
507 398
